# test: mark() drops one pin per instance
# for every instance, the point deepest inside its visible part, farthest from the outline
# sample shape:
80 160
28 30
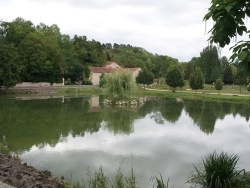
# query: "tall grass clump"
120 84
4 147
99 179
218 171
159 183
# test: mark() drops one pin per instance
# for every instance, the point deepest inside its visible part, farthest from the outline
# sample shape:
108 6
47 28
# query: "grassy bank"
89 91
229 93
196 96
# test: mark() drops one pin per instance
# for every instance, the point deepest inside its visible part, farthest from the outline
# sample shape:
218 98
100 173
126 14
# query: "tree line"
41 53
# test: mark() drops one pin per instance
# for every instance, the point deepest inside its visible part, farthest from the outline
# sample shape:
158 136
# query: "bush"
120 84
102 80
218 171
86 82
4 148
218 84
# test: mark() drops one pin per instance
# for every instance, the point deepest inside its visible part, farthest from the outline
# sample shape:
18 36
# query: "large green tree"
196 80
229 21
228 75
174 77
209 62
9 65
145 77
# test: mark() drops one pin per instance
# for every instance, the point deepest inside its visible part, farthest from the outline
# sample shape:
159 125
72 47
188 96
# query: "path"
191 91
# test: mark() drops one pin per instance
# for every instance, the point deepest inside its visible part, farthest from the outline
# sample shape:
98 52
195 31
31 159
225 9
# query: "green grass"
99 179
219 171
80 91
4 148
159 182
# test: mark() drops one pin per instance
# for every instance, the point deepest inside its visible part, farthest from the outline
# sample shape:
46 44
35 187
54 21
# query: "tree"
229 21
145 77
9 66
215 74
228 75
208 62
218 84
187 70
196 80
174 78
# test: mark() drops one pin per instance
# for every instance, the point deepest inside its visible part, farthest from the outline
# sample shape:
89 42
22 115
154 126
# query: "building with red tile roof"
109 68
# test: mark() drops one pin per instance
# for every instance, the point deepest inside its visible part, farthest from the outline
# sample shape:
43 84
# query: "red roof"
100 70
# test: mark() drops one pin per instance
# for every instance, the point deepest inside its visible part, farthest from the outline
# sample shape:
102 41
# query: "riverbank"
18 174
72 91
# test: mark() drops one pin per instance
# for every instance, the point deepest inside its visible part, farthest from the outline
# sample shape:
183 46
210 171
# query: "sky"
164 27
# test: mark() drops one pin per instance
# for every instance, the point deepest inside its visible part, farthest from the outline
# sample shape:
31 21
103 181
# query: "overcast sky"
173 28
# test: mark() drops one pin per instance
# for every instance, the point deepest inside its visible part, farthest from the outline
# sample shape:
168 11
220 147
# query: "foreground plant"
4 148
98 179
159 183
218 171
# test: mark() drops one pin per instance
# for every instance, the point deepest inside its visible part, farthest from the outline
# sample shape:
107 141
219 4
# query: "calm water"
167 136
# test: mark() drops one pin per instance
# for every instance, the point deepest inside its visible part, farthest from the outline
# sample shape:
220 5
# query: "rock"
18 174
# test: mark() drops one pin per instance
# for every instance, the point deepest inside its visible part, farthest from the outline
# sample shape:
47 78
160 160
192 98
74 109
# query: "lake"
164 135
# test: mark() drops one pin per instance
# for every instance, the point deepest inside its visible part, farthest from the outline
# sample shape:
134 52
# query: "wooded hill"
41 53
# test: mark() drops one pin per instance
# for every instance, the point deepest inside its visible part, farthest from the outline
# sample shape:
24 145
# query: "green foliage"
216 73
159 183
229 21
10 67
210 64
102 81
218 171
42 54
218 85
130 56
145 77
4 148
120 84
187 69
196 80
86 81
174 77
228 75
99 179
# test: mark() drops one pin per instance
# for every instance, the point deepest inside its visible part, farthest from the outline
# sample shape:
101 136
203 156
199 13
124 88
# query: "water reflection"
163 135
35 122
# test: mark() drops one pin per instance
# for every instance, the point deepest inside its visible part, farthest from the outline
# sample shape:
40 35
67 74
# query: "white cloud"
173 28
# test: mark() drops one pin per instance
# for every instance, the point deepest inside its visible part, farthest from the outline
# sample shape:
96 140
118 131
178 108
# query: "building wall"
95 78
38 84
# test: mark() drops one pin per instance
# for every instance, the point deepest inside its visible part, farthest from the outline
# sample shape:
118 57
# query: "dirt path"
190 91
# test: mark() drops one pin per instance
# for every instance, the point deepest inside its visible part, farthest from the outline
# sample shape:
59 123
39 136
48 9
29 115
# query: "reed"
120 84
218 171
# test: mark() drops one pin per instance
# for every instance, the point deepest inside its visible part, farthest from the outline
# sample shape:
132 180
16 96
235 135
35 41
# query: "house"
109 68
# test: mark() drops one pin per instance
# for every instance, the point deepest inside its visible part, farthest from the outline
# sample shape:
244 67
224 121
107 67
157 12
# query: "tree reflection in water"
37 122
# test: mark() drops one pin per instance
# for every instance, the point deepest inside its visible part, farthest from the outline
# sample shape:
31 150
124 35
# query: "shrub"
4 148
86 82
120 84
174 78
102 80
218 171
218 84
196 80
